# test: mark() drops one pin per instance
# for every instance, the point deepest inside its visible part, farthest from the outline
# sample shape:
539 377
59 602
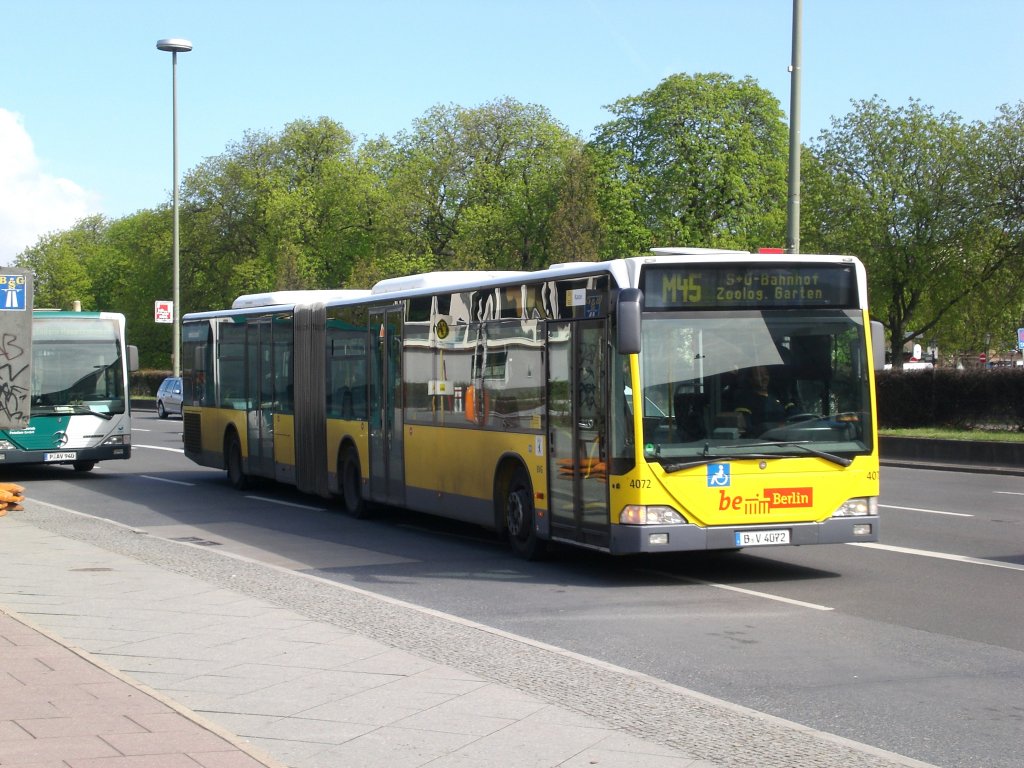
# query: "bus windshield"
739 384
76 367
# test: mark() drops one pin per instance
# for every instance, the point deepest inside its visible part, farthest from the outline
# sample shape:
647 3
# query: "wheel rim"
515 514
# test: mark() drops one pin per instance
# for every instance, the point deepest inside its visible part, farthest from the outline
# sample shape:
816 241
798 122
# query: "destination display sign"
749 286
57 328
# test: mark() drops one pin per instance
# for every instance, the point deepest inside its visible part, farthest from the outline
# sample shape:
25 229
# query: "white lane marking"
286 503
743 591
930 511
938 555
1010 493
158 448
165 480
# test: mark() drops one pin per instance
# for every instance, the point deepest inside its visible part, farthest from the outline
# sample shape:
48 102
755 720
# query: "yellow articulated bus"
687 400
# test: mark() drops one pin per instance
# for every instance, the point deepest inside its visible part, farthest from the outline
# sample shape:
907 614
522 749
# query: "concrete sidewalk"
120 649
60 707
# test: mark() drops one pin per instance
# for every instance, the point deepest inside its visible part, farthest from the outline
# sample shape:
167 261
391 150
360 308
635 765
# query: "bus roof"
272 298
624 270
697 252
441 279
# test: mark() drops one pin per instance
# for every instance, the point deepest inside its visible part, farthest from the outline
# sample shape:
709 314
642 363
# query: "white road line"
743 591
165 480
930 511
939 555
286 503
158 448
1010 493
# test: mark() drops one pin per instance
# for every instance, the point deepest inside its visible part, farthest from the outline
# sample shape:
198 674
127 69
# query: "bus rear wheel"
233 458
519 517
351 479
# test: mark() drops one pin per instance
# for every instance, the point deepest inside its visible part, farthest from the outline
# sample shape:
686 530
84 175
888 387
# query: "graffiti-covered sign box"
15 347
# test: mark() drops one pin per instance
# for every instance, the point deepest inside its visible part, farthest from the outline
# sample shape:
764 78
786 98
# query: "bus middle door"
387 468
577 431
260 417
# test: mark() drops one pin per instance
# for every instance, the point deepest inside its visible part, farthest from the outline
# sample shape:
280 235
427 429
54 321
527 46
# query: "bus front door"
577 432
387 471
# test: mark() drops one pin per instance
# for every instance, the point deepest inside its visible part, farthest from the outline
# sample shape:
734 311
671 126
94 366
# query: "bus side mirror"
133 357
628 311
877 345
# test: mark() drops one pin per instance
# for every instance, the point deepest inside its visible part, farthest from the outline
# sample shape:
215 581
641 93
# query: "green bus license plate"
60 456
761 538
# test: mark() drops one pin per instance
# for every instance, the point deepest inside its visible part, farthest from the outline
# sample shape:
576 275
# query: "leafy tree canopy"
704 157
913 193
934 206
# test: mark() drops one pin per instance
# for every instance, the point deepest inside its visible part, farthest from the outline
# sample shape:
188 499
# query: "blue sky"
85 96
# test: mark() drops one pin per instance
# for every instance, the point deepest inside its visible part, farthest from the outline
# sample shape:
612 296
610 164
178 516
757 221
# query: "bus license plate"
60 456
761 538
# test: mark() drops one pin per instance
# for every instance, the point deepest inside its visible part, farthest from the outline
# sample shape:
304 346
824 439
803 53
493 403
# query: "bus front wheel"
519 514
233 458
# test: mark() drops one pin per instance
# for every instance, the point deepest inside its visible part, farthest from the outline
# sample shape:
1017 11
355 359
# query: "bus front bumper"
630 539
99 453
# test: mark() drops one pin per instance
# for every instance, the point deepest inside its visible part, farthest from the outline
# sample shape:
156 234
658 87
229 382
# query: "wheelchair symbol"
718 475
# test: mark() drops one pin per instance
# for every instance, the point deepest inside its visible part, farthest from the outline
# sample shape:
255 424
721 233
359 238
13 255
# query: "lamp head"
174 45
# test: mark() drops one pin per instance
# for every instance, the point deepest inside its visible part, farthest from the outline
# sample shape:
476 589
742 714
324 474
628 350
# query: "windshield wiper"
803 445
708 457
82 409
102 414
676 466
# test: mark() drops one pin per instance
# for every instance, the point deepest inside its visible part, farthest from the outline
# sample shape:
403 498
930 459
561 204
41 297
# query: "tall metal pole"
175 46
793 208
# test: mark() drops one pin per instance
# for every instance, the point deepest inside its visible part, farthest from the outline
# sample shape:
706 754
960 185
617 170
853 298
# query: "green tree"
907 190
138 272
576 221
704 157
67 265
1004 174
224 227
520 157
473 188
276 212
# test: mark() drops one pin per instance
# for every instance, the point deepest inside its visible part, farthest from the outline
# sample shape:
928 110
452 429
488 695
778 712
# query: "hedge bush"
146 383
950 398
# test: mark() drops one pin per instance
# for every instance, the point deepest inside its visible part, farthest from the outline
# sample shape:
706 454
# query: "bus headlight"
639 514
118 440
858 507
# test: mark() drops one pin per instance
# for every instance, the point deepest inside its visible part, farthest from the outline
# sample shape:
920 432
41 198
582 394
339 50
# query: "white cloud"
32 203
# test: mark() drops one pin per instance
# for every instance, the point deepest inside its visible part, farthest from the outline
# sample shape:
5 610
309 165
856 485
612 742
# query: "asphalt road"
914 645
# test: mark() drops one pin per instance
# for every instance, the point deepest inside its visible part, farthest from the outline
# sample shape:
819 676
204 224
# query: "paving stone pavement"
123 650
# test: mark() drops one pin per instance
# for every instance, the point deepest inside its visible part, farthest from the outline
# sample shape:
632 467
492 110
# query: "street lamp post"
793 205
175 45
